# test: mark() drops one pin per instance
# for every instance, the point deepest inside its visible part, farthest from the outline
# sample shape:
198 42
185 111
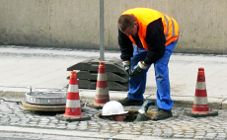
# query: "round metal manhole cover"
46 98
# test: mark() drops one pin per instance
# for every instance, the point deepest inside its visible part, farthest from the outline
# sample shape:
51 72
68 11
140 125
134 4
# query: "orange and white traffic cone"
102 89
200 100
73 107
200 104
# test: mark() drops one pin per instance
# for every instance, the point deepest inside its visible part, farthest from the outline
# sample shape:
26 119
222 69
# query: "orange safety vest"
145 16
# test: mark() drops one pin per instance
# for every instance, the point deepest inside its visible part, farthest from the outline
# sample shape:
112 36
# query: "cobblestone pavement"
179 126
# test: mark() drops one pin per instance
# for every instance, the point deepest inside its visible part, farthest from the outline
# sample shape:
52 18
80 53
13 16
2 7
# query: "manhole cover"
46 98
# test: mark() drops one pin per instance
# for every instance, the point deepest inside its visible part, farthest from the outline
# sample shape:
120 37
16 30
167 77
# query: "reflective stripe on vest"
170 24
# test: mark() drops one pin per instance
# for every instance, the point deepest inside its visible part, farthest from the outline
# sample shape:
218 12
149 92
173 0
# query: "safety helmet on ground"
113 108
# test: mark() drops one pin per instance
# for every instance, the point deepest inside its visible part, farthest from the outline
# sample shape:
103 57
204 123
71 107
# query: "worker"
154 36
114 111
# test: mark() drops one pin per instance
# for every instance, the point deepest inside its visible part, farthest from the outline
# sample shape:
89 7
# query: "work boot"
161 115
128 102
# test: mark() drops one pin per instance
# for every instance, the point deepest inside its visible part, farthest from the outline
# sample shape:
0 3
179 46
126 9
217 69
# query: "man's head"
128 24
114 110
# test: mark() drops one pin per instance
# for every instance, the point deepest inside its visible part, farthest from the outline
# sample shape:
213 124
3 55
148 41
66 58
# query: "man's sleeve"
155 39
125 46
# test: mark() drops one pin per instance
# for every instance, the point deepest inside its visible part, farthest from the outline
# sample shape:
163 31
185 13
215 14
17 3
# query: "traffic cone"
200 104
73 99
102 89
73 107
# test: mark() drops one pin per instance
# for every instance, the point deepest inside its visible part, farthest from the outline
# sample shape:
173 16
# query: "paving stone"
209 138
222 134
136 133
82 128
146 131
211 134
14 123
32 122
167 134
104 131
62 127
32 125
220 138
156 134
125 132
188 136
147 134
49 126
94 130
179 136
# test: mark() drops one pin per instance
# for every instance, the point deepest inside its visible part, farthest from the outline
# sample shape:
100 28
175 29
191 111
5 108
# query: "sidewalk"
45 69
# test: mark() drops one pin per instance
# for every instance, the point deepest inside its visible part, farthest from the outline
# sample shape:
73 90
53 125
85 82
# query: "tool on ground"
142 116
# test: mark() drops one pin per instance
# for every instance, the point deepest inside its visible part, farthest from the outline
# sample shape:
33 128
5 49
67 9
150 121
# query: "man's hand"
138 69
127 67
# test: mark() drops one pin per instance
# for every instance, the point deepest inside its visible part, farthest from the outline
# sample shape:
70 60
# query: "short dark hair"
125 21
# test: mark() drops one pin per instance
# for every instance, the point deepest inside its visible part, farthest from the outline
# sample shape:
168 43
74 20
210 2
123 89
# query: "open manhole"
130 116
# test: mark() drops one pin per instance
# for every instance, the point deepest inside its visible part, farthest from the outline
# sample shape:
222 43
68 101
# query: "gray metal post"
102 30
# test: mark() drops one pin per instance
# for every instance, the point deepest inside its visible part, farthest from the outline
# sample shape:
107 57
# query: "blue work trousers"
137 85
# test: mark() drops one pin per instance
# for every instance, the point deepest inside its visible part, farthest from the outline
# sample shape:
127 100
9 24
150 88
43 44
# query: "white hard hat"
113 108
